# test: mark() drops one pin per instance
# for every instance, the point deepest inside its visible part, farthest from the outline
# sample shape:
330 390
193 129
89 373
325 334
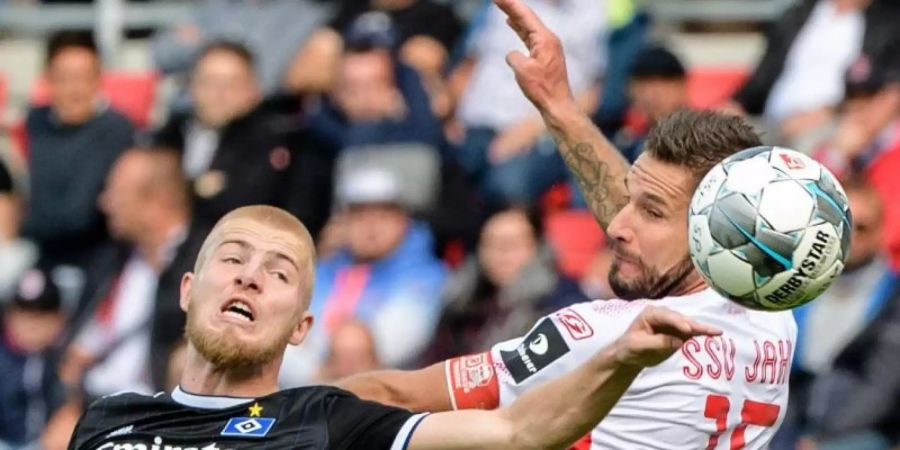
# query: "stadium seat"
131 93
2 99
576 238
709 86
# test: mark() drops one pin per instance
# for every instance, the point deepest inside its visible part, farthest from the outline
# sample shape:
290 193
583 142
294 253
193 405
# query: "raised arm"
599 168
416 390
559 412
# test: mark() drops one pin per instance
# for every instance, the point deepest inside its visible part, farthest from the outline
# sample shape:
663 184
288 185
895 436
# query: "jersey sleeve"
559 343
354 423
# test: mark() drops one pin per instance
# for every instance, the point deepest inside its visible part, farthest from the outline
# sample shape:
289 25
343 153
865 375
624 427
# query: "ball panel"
819 247
786 205
732 221
701 242
708 189
795 164
731 273
749 176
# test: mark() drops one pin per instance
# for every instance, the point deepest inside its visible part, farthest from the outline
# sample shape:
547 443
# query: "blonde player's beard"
227 353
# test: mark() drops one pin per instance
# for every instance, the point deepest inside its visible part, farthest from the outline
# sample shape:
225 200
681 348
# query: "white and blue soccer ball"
769 228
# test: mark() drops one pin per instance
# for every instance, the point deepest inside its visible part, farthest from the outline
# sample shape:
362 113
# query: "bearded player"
248 298
717 392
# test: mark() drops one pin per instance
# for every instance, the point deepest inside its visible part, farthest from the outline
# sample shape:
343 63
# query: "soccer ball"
769 228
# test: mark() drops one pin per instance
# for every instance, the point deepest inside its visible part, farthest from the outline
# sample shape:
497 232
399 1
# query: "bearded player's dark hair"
698 140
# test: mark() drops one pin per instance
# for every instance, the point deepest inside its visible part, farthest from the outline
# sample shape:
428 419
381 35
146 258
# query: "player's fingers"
521 15
658 342
523 35
516 60
667 321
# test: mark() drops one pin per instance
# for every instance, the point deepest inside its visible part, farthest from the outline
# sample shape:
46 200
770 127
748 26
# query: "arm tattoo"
604 193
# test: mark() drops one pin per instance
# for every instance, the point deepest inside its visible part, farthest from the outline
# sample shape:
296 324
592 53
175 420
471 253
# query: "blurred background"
396 132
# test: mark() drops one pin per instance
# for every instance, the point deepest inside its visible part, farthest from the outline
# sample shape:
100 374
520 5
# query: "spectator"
828 325
854 405
501 292
797 82
136 320
425 35
867 138
32 323
501 149
236 152
376 99
9 206
379 111
351 351
272 29
386 275
657 88
77 130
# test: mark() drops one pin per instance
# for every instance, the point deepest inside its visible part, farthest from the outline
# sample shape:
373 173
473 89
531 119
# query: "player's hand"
655 334
542 74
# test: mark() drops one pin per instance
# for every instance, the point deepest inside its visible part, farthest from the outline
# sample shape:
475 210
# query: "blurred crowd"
444 217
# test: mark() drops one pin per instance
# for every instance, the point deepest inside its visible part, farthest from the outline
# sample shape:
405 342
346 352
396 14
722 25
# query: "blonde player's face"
246 302
649 236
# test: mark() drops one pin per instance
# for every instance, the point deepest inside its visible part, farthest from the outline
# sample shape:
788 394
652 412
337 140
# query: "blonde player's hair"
276 218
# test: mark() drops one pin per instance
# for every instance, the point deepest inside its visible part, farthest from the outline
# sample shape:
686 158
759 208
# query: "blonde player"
728 391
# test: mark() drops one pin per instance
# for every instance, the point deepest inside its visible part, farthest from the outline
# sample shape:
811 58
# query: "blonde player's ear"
302 328
187 281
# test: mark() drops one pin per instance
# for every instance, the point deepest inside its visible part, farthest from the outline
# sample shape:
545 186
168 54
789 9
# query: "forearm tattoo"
604 193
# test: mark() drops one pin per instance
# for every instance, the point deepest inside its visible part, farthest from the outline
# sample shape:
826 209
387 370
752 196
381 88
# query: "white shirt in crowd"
813 75
492 98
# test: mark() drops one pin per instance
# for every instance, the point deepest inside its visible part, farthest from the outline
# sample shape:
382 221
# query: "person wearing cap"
386 276
657 87
32 322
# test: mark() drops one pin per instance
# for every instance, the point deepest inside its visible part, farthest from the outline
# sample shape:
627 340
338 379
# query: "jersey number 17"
752 413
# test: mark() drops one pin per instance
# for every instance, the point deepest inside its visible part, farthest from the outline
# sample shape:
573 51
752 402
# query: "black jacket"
262 158
167 321
862 391
881 27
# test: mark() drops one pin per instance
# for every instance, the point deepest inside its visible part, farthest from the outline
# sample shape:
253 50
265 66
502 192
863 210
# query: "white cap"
369 185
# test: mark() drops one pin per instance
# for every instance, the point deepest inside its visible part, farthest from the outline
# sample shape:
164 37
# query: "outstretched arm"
563 410
599 168
416 390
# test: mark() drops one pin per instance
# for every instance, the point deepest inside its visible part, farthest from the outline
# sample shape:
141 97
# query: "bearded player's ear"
187 282
301 330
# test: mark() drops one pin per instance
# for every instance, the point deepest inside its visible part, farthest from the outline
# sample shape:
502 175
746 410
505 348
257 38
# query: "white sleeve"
559 343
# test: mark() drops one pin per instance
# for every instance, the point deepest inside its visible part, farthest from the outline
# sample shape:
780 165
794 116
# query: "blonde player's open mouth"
238 309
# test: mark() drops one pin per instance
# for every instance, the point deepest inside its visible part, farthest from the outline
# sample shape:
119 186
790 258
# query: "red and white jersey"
724 392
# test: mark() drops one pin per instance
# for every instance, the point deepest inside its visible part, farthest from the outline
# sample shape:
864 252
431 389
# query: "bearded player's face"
649 235
244 305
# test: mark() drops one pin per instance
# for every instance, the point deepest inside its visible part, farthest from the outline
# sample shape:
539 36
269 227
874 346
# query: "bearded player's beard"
650 284
226 352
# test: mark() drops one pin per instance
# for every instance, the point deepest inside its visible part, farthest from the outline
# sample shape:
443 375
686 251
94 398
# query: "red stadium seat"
576 238
2 99
131 93
710 86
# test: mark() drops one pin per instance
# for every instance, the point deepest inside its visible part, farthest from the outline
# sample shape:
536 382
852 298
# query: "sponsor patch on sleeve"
472 382
577 327
543 345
